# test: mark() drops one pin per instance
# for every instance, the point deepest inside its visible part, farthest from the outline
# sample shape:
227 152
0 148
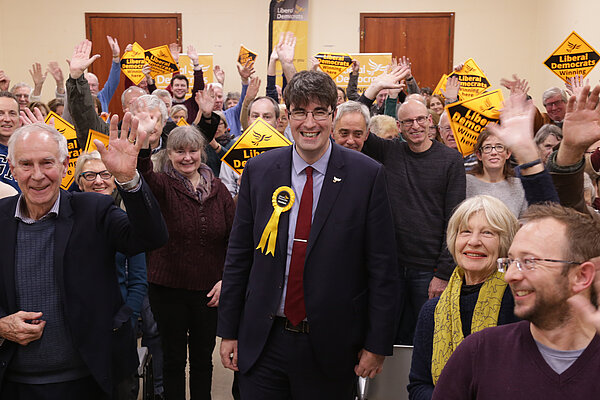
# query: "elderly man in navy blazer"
64 326
308 295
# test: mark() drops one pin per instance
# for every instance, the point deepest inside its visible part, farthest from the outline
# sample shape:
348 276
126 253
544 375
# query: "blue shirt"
107 92
298 181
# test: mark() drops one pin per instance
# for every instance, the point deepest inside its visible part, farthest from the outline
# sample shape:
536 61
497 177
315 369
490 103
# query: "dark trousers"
287 369
414 287
85 388
183 318
151 340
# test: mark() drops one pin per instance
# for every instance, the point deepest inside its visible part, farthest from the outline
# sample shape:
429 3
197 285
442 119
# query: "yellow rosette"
283 199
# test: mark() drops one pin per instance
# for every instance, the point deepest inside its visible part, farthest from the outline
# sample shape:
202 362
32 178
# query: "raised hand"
81 60
206 101
37 75
27 117
253 87
175 49
121 155
516 85
314 64
4 81
575 84
219 74
193 55
516 128
355 67
406 62
114 47
286 47
56 72
581 127
452 87
245 70
391 79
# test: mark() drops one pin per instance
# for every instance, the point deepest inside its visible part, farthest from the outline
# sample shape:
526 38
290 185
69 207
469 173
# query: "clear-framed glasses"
421 120
91 176
444 128
318 115
528 264
488 148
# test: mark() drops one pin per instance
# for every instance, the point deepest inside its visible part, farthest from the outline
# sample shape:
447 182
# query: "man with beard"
550 355
553 354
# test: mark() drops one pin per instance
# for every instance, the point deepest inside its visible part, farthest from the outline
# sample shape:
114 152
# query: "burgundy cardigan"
194 256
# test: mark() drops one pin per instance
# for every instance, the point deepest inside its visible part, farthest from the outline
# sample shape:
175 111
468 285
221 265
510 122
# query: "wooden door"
426 38
149 30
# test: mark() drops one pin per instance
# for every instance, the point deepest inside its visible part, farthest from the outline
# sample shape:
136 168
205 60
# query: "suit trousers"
288 369
184 318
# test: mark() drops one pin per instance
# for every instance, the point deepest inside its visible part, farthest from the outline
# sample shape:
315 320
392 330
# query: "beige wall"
503 37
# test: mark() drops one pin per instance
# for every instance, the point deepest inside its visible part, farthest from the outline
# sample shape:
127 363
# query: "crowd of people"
371 230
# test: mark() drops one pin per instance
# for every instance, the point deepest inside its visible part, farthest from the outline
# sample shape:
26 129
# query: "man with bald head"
426 181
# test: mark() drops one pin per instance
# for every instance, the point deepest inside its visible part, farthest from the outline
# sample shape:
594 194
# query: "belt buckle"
302 327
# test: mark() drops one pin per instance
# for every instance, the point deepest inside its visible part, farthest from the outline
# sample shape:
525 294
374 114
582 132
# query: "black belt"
302 327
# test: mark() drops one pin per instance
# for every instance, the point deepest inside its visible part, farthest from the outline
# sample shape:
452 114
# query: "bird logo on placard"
375 67
486 106
258 137
572 46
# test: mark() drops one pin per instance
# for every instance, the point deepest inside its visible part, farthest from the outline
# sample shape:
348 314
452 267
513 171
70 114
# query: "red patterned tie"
294 299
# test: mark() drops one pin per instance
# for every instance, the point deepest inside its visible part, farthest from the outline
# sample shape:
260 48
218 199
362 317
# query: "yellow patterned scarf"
448 332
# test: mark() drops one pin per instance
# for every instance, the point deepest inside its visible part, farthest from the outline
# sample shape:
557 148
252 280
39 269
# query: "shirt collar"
20 213
298 163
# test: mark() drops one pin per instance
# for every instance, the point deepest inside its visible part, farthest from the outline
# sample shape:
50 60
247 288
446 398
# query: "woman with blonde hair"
479 232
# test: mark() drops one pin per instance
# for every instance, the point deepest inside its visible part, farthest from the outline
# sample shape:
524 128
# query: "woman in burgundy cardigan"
185 275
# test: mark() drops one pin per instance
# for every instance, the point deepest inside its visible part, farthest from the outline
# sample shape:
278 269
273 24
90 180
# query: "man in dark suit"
65 328
309 297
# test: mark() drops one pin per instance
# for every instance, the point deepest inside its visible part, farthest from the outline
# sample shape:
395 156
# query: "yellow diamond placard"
472 80
258 138
371 66
132 63
182 122
573 57
246 55
469 117
90 145
69 133
160 60
333 64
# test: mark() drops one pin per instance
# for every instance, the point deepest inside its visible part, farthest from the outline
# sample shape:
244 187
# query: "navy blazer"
350 274
89 230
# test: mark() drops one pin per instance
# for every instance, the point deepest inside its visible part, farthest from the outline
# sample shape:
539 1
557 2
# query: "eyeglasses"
487 149
318 115
91 176
407 123
554 104
527 264
444 128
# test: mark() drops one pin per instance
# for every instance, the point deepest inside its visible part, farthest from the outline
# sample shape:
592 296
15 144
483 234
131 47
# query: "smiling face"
93 82
476 248
436 105
22 94
38 170
179 88
9 118
311 137
446 132
98 185
351 131
186 161
556 108
218 98
414 132
265 109
540 294
495 159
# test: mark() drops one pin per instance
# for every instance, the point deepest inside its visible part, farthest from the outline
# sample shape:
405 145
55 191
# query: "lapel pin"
336 179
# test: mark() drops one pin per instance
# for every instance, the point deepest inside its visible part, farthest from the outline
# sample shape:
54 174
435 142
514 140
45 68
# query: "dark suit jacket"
89 230
350 272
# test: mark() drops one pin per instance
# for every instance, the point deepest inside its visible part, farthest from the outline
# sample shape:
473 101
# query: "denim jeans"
414 287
